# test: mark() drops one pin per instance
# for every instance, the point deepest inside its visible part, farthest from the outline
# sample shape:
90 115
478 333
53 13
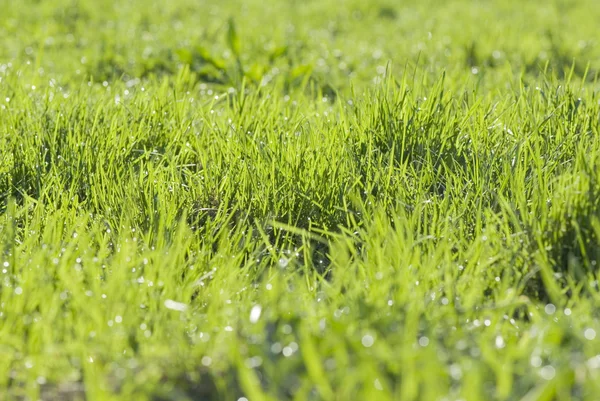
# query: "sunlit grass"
378 203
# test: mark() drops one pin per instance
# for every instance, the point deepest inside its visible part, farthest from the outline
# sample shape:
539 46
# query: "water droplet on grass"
174 305
378 385
550 309
548 372
368 341
276 348
255 313
594 362
589 334
455 371
254 362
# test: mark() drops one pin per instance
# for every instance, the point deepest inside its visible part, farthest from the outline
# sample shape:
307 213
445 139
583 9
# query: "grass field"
316 200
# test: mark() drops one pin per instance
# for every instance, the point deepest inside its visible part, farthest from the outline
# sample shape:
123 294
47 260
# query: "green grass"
315 200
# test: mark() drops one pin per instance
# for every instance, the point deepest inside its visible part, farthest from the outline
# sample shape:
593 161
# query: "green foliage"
306 201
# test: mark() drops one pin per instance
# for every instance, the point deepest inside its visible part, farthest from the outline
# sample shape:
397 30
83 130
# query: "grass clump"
360 202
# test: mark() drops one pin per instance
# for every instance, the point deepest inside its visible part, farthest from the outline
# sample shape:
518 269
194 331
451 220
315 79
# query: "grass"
300 201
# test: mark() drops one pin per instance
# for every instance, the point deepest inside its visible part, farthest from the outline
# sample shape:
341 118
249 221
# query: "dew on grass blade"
550 309
283 262
367 341
276 348
378 385
589 334
548 372
455 371
255 313
593 362
254 362
174 305
535 361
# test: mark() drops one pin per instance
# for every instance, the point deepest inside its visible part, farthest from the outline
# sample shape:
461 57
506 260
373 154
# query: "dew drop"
550 309
367 341
378 385
255 313
548 372
589 334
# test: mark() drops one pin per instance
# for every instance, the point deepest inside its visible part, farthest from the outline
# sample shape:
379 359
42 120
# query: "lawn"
299 200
